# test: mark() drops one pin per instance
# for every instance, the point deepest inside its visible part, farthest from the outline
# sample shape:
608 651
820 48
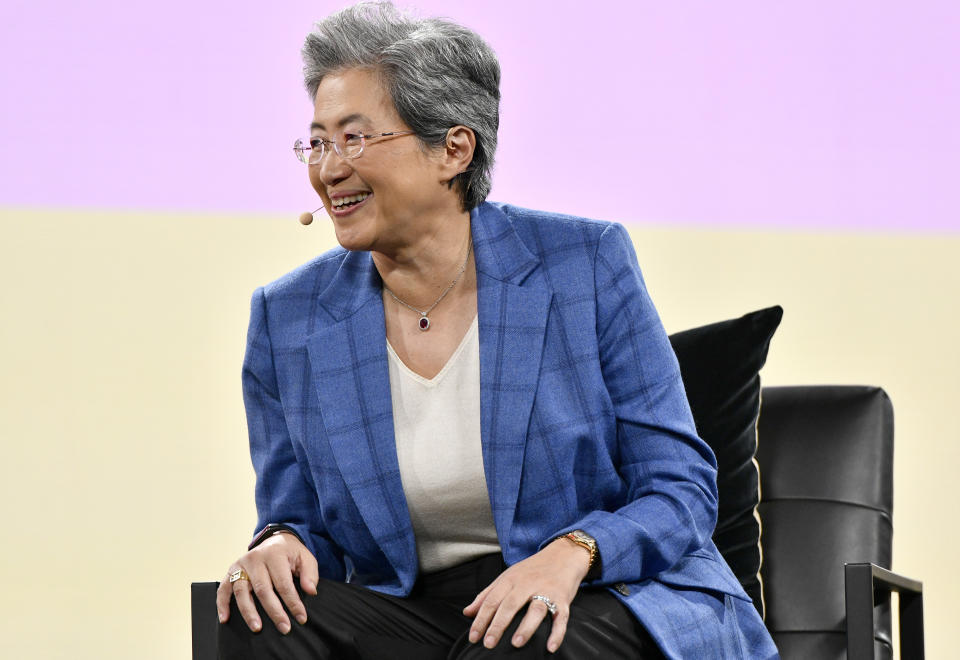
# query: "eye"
316 143
352 139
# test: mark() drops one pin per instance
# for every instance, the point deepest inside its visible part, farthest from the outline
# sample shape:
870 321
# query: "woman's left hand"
555 572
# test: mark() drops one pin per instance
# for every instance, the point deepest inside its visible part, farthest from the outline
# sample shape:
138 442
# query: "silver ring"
551 606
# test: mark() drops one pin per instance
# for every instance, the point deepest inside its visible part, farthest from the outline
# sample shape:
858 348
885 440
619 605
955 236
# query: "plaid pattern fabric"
584 425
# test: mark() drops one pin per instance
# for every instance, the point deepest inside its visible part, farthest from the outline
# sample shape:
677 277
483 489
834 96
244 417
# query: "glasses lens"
315 155
302 150
351 145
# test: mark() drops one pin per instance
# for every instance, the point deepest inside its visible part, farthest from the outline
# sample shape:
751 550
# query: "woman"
467 423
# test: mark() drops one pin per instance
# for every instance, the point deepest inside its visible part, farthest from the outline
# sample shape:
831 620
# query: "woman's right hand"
271 567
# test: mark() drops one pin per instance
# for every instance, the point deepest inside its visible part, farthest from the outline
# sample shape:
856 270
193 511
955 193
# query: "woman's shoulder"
308 277
551 235
550 222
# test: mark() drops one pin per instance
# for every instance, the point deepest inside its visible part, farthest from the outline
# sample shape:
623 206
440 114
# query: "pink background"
819 115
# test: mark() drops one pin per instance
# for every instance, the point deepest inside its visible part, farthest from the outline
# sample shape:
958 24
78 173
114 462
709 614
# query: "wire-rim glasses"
311 150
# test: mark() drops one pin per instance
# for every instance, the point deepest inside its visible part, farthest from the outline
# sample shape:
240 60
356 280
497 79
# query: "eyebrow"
343 122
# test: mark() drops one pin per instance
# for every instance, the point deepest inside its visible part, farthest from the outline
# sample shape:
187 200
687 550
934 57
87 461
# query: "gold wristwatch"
584 540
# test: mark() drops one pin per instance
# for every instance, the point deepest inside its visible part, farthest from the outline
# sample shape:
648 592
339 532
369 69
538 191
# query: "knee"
235 640
536 646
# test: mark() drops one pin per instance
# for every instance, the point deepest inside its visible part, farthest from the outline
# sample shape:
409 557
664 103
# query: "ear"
457 152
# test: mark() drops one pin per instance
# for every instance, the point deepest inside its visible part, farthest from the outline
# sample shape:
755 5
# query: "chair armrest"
203 616
865 584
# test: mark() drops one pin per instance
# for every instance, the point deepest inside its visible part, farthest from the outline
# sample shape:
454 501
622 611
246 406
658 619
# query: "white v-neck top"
436 423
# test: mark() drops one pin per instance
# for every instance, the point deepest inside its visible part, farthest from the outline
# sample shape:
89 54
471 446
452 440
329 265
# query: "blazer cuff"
596 569
269 531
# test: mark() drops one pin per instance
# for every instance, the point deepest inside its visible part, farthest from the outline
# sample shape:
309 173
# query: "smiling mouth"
343 203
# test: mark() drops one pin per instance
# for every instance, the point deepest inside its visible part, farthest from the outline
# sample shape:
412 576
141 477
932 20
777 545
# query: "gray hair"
439 74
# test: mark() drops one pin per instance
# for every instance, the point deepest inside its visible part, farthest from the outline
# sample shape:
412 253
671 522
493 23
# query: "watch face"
583 536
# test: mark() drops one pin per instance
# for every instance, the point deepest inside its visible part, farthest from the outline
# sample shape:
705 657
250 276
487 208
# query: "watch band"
270 530
584 540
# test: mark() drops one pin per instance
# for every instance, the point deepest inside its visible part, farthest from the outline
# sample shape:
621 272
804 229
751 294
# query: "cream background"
126 476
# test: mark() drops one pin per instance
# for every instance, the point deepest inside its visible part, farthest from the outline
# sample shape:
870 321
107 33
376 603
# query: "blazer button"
622 589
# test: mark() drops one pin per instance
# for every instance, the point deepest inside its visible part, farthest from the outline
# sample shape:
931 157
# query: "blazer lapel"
352 381
513 304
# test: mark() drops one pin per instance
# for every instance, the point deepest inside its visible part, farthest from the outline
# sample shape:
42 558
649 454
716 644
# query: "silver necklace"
424 322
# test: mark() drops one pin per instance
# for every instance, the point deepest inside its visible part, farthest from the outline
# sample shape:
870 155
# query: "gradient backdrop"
804 154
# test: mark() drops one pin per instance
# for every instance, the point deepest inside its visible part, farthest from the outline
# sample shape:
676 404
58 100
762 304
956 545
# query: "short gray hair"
439 74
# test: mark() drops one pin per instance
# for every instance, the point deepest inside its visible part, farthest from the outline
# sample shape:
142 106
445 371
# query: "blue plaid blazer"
584 425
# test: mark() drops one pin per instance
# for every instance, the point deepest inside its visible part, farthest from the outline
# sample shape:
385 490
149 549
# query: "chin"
352 240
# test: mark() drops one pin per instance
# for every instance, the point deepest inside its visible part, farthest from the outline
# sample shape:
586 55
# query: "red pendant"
424 323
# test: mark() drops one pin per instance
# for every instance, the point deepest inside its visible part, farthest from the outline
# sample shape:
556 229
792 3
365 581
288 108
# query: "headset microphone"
307 217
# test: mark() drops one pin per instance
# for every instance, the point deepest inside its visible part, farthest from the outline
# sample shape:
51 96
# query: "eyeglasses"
311 150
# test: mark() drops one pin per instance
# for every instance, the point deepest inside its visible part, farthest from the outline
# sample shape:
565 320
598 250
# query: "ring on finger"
239 574
551 606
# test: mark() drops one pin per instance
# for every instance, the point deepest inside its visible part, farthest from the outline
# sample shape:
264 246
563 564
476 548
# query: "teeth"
340 201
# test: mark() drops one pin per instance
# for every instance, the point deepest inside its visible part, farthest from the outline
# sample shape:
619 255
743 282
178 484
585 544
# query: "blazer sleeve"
284 495
670 473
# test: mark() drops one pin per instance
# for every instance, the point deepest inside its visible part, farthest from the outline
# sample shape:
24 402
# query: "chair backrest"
826 477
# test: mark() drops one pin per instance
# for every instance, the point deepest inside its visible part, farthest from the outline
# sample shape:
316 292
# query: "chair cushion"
720 365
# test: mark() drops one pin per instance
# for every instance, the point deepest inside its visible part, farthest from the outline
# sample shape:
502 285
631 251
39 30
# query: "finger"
282 578
473 607
536 611
243 594
489 606
224 594
263 588
509 607
559 629
309 572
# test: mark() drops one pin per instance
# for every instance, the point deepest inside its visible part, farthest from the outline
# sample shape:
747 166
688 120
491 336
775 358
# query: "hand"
556 572
271 566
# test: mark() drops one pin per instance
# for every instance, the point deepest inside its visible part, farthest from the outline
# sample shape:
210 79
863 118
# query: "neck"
419 271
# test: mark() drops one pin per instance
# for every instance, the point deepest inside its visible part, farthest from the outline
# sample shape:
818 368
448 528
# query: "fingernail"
518 640
552 647
474 636
220 616
256 626
302 619
489 641
284 627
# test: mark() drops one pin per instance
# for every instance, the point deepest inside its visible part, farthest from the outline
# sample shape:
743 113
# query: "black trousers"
349 622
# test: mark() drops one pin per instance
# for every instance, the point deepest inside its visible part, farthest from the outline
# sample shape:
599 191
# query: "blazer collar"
497 248
354 285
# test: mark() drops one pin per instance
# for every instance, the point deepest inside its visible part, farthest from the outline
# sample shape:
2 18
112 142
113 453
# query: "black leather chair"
826 476
826 472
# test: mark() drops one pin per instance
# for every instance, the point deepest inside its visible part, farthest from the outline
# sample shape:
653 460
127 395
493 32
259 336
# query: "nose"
332 169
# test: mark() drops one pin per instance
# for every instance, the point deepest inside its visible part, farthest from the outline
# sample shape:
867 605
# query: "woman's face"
401 185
